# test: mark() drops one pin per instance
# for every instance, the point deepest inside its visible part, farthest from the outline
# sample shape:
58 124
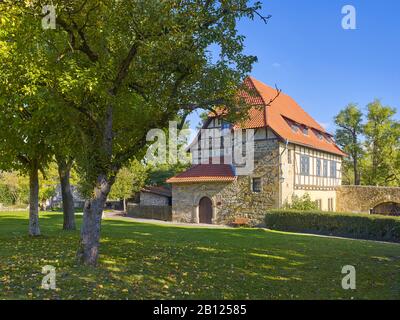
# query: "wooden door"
205 211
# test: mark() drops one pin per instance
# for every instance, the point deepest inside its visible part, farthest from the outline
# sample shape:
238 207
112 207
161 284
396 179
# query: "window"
319 135
330 204
289 156
319 204
305 165
304 130
319 167
325 168
294 127
225 125
256 185
328 139
333 169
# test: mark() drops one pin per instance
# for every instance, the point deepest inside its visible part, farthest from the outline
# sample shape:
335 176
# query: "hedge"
358 226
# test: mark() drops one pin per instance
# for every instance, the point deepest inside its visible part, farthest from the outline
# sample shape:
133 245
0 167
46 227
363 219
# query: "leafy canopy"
112 70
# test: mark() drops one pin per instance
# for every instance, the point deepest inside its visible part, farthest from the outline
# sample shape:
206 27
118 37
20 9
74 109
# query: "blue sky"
306 52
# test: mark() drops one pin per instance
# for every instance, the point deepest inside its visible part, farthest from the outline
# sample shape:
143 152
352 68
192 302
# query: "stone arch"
196 206
364 199
205 210
384 199
387 208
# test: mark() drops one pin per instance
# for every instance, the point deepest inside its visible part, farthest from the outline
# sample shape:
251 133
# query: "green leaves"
382 133
373 147
130 179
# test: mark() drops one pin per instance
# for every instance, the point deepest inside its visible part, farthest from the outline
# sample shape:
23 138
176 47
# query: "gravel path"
122 215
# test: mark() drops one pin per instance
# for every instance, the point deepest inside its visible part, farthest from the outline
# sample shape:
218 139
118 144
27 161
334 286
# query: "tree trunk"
90 233
357 180
64 170
88 250
124 200
34 229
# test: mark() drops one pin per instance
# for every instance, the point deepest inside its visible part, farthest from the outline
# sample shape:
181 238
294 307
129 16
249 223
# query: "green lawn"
145 261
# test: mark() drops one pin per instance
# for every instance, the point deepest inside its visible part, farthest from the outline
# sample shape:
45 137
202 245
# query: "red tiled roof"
205 173
276 114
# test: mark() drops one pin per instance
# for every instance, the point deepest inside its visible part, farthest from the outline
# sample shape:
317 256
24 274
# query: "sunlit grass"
148 261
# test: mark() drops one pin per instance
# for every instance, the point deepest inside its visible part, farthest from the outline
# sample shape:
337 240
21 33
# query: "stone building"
290 152
155 196
152 202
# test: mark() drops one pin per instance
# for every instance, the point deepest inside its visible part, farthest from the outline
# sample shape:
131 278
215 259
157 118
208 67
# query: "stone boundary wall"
361 199
163 213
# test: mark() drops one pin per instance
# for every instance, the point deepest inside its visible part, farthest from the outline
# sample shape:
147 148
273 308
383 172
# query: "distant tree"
158 174
14 188
130 179
350 129
48 182
382 135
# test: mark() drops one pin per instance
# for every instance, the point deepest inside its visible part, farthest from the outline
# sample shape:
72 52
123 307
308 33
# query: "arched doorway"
205 210
387 208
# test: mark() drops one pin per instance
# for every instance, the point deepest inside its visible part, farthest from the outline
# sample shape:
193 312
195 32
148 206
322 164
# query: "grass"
149 261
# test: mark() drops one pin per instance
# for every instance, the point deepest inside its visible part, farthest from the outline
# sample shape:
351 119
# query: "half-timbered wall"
323 169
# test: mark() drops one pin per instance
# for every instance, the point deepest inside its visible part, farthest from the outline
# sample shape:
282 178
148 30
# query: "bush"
303 203
359 226
6 196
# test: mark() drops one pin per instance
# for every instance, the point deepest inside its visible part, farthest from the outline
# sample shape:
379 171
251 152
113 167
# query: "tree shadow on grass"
147 261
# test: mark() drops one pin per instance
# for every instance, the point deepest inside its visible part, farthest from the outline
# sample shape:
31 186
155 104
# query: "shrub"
302 203
359 226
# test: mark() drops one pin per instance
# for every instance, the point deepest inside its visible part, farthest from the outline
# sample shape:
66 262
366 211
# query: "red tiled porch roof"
205 173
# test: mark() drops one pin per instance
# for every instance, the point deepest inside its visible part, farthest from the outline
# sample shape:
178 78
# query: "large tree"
382 136
117 69
30 119
23 147
348 134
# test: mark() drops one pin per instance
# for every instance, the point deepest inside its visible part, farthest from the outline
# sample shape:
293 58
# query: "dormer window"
294 127
328 139
319 135
304 129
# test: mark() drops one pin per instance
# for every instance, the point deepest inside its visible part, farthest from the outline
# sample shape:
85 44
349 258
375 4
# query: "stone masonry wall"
150 199
361 199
